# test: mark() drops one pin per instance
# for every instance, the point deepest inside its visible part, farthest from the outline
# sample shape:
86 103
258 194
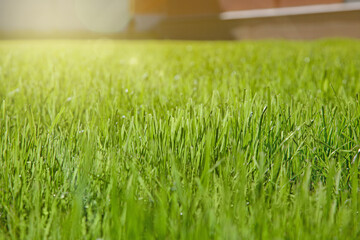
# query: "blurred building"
187 7
181 19
243 19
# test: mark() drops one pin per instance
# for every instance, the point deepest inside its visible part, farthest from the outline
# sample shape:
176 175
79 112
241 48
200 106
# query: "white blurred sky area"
60 15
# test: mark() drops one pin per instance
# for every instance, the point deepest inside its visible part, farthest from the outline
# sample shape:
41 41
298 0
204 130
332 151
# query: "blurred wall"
205 7
150 6
290 3
231 5
176 7
189 19
191 7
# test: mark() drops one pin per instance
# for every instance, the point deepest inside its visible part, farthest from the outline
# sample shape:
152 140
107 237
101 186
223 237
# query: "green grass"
179 140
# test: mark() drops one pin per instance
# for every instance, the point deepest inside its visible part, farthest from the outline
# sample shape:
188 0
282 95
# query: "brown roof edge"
290 11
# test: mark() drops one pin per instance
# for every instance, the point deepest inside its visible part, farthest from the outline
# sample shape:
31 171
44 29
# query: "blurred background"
179 19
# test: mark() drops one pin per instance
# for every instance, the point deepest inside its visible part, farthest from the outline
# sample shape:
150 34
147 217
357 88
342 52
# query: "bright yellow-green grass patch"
179 140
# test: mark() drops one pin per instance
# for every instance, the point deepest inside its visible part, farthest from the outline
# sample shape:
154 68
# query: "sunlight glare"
106 16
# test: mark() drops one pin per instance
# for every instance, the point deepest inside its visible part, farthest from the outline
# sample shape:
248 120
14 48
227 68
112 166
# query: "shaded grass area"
179 140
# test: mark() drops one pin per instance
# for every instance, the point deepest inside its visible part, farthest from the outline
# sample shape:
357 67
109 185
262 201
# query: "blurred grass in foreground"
179 140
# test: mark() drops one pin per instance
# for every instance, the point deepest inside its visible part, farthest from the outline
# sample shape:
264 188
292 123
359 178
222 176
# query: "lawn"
179 140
